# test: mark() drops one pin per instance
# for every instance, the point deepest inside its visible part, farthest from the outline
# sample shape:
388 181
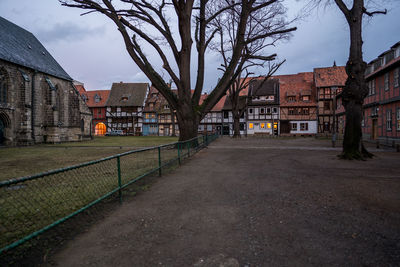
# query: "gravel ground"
255 202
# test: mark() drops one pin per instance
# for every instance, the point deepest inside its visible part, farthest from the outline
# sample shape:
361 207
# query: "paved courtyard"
255 202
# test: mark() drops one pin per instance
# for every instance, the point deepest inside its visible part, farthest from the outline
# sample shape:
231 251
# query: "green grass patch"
23 161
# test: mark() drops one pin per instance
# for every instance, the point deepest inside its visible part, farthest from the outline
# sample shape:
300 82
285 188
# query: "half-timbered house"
124 107
212 121
298 104
263 107
329 82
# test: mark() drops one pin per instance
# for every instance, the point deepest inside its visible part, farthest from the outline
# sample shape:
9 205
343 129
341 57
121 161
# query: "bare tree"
271 18
152 23
355 89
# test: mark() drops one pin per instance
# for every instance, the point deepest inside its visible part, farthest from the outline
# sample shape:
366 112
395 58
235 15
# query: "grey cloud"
68 31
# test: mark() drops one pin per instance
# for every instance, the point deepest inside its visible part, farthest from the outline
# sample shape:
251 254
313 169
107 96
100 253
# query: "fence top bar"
42 174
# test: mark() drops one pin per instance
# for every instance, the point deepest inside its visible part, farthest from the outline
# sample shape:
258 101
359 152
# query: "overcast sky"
91 49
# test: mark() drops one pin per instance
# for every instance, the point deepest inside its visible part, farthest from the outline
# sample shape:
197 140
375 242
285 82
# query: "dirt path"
251 203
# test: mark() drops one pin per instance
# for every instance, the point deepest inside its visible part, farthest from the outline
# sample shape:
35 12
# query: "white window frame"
396 75
389 120
398 119
386 81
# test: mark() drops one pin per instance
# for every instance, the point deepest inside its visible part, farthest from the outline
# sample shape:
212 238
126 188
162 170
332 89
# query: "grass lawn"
31 205
22 161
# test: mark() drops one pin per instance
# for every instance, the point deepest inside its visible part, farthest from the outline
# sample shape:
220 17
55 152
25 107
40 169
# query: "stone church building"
38 101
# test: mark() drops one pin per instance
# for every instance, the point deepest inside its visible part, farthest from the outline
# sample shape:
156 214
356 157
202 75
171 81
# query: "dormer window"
166 106
124 98
270 98
291 99
305 98
97 98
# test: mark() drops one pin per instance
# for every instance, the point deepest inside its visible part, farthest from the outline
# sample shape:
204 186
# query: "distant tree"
174 24
252 54
355 89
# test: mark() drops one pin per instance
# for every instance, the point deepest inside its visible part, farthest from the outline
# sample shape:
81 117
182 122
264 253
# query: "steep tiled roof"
331 76
296 85
220 104
127 94
263 88
21 47
228 103
97 98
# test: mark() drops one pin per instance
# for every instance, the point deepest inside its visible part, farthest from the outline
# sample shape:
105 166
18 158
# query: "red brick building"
382 105
96 101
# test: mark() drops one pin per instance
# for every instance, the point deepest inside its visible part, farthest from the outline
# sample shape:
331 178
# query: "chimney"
334 63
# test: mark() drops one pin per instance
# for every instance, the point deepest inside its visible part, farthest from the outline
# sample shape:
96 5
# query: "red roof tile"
331 76
91 97
296 85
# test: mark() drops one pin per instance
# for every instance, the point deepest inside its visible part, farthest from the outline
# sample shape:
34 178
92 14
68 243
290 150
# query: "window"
396 75
275 125
166 106
209 128
372 87
305 111
374 111
274 110
389 120
327 105
262 110
85 98
3 87
327 92
305 98
291 111
270 98
293 126
250 110
241 126
242 115
201 128
262 125
269 125
291 98
326 126
386 81
251 125
398 119
304 126
268 110
226 114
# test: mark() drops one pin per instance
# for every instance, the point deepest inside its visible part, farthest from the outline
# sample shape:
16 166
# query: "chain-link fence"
31 205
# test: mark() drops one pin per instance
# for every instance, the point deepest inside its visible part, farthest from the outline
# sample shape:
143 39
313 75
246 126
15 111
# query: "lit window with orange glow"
262 126
250 125
269 125
275 125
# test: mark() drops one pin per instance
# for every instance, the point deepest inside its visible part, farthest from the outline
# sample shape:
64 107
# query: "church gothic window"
3 87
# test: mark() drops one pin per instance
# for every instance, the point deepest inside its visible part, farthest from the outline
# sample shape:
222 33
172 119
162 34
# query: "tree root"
357 155
365 152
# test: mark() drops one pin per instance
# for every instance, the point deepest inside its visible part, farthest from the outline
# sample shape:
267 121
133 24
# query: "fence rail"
33 204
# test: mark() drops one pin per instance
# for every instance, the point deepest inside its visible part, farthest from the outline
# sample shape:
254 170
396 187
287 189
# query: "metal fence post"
188 147
119 180
159 161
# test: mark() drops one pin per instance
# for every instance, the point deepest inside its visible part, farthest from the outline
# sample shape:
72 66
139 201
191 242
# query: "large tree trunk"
236 126
188 122
355 89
